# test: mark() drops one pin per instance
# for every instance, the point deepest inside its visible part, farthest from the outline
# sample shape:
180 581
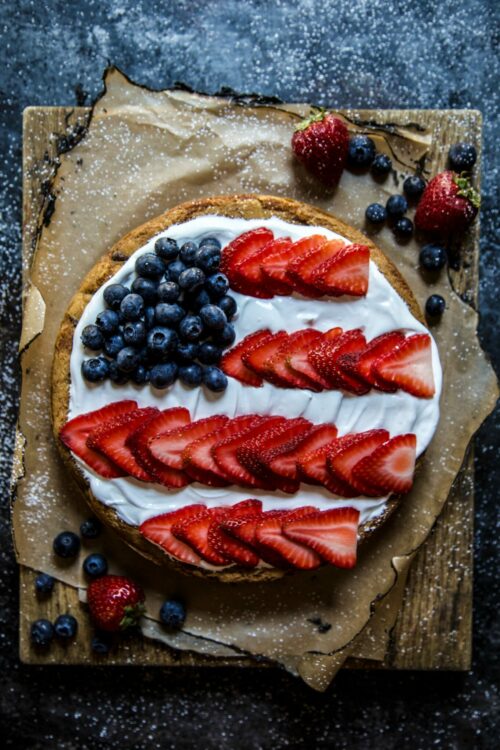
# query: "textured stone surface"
379 54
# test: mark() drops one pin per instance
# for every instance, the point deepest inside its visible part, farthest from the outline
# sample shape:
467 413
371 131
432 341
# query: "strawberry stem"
465 189
316 115
132 616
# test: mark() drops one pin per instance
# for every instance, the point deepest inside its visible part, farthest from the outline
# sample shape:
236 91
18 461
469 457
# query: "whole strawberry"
321 142
448 204
115 602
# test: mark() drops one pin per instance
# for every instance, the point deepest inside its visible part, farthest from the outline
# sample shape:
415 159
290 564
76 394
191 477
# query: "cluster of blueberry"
173 322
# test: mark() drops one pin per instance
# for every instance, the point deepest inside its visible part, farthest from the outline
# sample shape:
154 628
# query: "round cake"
242 388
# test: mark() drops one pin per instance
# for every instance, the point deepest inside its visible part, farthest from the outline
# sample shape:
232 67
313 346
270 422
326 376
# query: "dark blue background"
394 53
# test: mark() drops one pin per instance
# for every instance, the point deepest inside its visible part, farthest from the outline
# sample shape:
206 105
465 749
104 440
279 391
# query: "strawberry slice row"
260 265
245 535
336 359
270 453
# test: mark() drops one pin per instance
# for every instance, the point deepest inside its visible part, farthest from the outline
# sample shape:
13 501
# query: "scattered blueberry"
213 317
132 307
208 258
174 270
116 375
149 316
113 295
150 265
376 213
217 285
134 333
92 338
127 359
197 300
187 253
173 614
161 342
166 248
361 151
95 370
44 584
191 327
191 374
214 379
113 344
209 353
381 165
107 321
433 257
191 279
462 156
228 305
187 351
42 633
65 626
414 186
66 544
95 565
145 288
91 528
396 206
403 228
140 375
101 643
211 241
435 306
163 375
169 314
226 336
168 291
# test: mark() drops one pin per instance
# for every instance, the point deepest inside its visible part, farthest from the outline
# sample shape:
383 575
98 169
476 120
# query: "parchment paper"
145 152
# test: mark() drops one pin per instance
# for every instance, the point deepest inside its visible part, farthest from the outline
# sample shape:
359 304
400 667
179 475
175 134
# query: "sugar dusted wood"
433 630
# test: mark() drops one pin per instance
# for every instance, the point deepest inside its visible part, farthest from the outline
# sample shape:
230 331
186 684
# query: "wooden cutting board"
434 626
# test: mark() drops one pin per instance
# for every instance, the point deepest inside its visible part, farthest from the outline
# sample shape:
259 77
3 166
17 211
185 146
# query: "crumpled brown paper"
145 152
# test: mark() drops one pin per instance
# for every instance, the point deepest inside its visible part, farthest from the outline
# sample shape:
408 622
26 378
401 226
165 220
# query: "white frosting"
380 311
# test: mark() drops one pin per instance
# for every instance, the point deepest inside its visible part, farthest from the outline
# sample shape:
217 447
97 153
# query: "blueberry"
191 279
173 614
209 353
140 375
217 285
361 151
381 165
435 306
403 228
44 584
228 305
161 342
116 375
168 291
91 528
150 266
213 241
134 333
188 252
169 315
92 338
132 307
433 257
107 321
101 643
208 258
42 633
163 375
113 344
376 213
149 317
145 288
95 565
462 156
396 206
213 317
196 300
191 327
127 359
187 351
166 248
113 295
191 374
95 370
66 544
214 379
65 627
226 336
174 270
414 186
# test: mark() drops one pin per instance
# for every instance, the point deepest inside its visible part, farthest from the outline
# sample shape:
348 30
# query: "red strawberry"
361 364
348 451
168 448
297 358
449 204
240 248
138 442
324 356
303 269
269 534
197 456
111 439
274 268
409 366
333 534
302 249
247 273
74 435
244 530
225 453
279 362
258 358
115 603
228 546
345 273
313 469
159 531
194 532
390 467
320 143
285 464
232 363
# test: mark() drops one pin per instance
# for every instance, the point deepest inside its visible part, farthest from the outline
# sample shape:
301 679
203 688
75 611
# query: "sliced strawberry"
243 247
390 467
244 529
111 440
275 268
248 272
297 360
197 458
323 357
224 453
361 364
313 469
159 531
168 448
269 535
409 366
227 545
345 273
279 363
232 363
333 534
285 464
302 249
139 440
348 451
194 532
303 271
74 435
259 357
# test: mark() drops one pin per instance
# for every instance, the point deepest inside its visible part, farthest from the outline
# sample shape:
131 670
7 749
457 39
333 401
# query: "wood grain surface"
434 626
